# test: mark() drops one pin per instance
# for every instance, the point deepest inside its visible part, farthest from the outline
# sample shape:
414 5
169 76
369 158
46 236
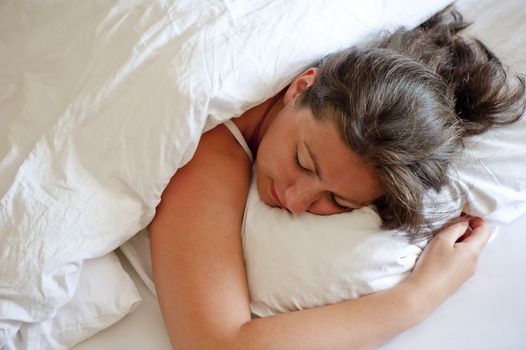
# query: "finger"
476 222
480 236
453 232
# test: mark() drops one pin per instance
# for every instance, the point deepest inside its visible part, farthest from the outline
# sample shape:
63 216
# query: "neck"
254 123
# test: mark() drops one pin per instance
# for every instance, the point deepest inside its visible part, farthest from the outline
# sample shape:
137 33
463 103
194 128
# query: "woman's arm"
201 280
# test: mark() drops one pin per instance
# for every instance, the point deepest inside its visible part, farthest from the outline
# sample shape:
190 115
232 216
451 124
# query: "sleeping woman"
377 125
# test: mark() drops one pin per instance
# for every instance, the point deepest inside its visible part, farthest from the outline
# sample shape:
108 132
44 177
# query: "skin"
198 259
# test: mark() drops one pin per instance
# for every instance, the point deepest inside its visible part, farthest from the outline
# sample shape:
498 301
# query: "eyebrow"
318 173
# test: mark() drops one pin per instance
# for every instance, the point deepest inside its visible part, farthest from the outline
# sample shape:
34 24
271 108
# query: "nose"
301 195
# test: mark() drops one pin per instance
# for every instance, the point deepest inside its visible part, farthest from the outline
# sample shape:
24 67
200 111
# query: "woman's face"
304 165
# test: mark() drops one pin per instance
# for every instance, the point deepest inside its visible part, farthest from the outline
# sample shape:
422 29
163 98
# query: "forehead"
342 170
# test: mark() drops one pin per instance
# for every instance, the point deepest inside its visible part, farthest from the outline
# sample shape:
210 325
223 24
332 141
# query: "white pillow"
299 262
105 294
492 174
137 251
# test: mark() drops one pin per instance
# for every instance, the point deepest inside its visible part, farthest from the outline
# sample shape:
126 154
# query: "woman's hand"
449 260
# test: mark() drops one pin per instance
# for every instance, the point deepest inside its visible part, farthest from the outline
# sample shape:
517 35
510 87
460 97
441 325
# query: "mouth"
274 195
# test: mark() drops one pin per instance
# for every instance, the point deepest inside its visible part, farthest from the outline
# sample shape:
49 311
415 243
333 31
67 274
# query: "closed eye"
339 206
298 163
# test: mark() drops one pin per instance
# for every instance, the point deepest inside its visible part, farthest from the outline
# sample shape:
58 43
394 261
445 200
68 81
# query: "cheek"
274 161
272 166
275 156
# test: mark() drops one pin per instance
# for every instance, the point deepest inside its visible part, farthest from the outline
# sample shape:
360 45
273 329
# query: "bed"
101 193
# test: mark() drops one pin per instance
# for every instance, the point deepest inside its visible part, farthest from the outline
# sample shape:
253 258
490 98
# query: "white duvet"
101 102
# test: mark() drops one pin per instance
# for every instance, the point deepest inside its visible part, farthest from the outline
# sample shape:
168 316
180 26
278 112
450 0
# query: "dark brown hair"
405 102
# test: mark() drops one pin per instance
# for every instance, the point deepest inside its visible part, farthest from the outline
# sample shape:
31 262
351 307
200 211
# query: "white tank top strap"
239 137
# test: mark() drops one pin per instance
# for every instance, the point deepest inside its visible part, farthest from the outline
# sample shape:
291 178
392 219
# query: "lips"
275 195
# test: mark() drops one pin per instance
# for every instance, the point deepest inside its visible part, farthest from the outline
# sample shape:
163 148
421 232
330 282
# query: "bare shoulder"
209 192
220 140
219 170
